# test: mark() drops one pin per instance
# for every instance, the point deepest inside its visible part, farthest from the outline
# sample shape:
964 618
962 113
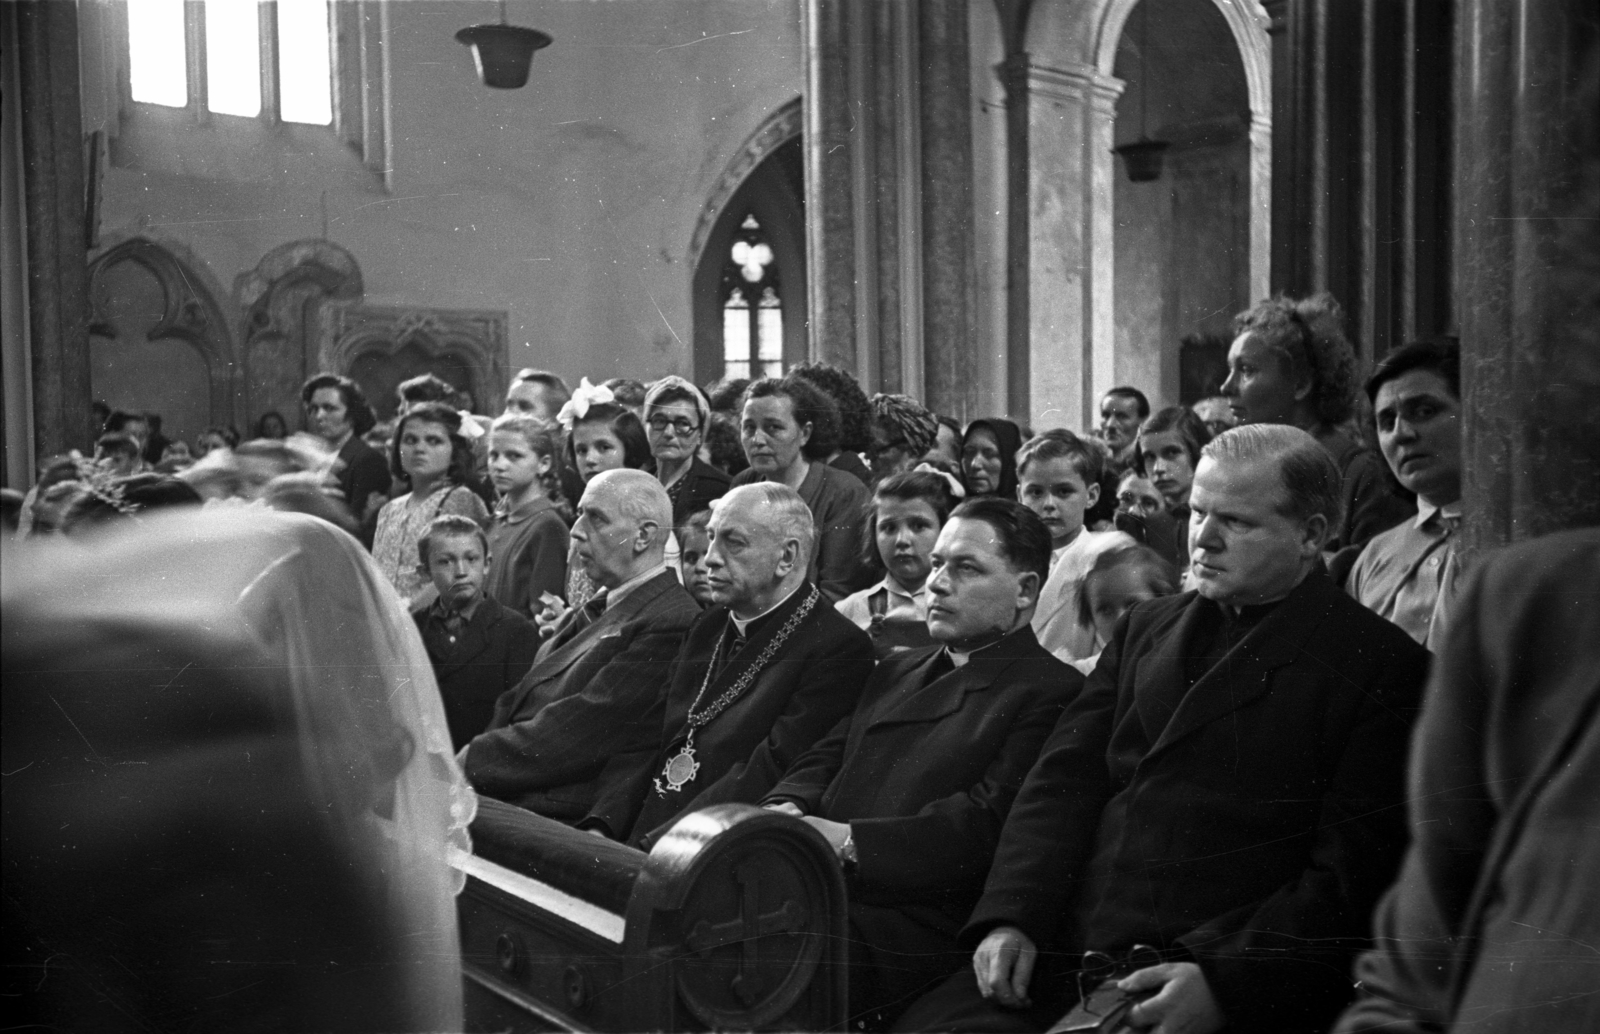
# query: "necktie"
580 620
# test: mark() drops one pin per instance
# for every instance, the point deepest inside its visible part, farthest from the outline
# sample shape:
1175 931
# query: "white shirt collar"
894 588
740 624
616 596
1425 511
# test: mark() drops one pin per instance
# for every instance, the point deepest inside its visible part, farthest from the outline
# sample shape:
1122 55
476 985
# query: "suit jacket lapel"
1159 676
1246 672
557 661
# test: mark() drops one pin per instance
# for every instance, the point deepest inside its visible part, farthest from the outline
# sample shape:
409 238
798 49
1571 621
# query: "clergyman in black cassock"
1228 789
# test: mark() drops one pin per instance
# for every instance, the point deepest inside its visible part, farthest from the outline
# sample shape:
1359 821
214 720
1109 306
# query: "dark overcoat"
814 680
1249 823
585 700
925 773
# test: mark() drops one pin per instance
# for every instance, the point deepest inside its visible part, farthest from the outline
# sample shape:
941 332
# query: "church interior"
1001 209
945 192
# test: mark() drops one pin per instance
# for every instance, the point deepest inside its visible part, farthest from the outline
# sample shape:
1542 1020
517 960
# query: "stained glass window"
752 306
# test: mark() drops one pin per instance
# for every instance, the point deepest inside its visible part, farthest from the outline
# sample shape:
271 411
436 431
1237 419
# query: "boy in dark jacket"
479 648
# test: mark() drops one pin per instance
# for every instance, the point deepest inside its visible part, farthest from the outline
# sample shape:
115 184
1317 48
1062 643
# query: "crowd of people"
1122 710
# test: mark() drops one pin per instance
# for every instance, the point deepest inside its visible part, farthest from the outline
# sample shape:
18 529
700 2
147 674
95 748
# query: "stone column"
1071 314
53 189
888 148
1528 265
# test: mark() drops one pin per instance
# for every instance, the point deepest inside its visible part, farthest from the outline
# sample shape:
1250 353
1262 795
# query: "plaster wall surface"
569 203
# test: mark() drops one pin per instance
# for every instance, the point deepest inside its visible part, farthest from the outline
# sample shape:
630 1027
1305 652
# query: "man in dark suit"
762 676
913 788
599 676
1228 789
337 412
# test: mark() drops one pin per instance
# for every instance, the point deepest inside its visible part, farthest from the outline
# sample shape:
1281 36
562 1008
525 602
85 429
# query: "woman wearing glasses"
675 417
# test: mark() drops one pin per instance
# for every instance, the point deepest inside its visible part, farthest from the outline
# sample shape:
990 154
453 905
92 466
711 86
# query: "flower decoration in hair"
584 396
957 490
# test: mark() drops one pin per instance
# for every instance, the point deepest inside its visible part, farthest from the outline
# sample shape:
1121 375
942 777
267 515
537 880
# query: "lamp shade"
1143 159
503 52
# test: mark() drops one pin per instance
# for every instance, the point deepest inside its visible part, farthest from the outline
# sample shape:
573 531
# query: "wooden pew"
736 920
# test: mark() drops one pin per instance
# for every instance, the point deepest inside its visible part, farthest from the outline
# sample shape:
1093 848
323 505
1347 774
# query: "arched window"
752 306
749 260
268 60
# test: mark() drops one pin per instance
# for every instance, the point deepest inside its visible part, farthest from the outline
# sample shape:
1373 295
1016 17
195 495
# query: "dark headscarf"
1009 438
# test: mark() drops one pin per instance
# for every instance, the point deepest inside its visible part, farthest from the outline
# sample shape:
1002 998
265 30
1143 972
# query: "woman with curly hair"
855 415
428 455
1290 363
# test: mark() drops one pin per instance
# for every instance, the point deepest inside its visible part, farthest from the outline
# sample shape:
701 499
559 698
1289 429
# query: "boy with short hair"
478 647
693 541
1058 478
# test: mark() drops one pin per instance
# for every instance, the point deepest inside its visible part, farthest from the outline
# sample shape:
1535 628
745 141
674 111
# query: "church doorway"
1182 238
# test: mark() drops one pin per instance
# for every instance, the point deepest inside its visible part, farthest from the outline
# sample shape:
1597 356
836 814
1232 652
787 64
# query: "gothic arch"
1071 48
189 312
281 299
763 179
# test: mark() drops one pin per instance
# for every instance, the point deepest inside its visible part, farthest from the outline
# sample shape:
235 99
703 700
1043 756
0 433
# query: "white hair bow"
957 490
583 396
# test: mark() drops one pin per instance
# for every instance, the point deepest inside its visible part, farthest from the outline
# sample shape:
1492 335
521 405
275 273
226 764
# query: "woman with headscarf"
903 430
989 458
676 416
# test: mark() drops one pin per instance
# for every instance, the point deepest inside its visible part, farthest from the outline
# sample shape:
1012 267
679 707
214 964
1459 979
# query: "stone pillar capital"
1075 83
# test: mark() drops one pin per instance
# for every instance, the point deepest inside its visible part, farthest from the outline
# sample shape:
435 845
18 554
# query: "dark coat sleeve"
570 738
951 841
805 783
1045 845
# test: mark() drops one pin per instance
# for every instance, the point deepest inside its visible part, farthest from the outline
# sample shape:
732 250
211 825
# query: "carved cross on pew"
745 929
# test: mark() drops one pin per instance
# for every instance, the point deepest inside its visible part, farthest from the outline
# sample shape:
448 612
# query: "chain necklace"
681 768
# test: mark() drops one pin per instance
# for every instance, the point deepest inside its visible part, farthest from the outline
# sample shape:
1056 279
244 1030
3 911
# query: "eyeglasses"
680 425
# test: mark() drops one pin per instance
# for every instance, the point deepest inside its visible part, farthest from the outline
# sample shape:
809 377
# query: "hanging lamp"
503 52
1143 157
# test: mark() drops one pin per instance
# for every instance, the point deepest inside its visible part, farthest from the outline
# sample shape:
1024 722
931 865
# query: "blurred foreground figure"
1493 924
229 792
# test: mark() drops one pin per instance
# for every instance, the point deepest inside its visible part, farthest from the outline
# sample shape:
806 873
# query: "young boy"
1058 478
479 648
693 541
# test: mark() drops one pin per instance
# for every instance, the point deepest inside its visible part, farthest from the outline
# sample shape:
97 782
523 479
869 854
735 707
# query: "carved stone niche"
281 298
159 340
379 346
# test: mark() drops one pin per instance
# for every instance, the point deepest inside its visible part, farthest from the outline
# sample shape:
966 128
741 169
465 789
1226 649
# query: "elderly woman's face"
674 430
1259 390
980 462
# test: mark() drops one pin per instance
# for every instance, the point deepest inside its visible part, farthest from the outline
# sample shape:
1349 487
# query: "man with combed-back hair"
1227 790
762 675
585 698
